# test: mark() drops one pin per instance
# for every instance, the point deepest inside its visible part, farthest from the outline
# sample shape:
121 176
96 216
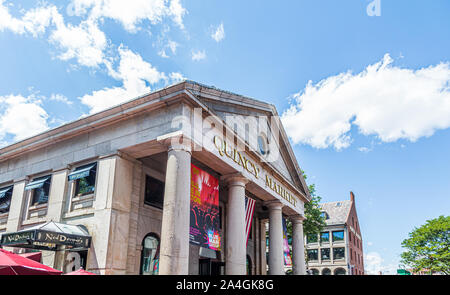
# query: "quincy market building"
111 192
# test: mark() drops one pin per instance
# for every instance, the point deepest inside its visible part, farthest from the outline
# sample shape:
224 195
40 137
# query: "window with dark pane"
313 254
154 192
339 253
86 185
40 194
325 254
5 199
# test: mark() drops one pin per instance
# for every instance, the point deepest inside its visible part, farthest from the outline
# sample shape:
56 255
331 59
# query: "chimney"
352 197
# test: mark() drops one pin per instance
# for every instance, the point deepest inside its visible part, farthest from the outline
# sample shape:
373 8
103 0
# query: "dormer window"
324 215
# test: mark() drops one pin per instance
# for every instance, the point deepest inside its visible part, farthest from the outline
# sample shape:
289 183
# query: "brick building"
337 250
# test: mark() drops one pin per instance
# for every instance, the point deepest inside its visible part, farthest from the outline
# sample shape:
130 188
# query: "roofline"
137 105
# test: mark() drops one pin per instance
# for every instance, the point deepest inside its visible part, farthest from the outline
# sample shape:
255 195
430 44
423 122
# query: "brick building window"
313 254
339 253
325 254
338 236
311 239
324 237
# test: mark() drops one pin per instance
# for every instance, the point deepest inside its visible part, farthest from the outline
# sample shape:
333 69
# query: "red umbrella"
80 272
13 264
36 256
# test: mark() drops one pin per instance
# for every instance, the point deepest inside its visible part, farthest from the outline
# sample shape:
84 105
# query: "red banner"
205 219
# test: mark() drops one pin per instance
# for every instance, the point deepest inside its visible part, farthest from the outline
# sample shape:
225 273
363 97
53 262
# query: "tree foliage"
314 223
428 246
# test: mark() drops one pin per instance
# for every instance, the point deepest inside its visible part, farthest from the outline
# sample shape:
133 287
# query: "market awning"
4 192
37 183
82 172
49 236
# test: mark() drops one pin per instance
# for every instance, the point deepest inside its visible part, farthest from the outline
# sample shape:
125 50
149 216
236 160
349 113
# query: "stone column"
174 257
276 263
236 248
298 246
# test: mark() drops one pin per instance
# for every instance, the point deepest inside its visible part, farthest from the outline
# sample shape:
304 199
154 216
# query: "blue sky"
373 119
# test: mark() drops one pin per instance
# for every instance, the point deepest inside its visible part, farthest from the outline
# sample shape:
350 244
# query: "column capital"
176 141
274 204
235 179
297 218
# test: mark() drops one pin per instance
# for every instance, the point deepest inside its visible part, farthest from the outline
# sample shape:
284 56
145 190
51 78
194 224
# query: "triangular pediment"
226 104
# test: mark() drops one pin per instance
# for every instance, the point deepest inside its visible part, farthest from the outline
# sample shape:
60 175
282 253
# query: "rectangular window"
311 239
5 199
324 237
313 254
154 192
338 236
325 254
339 253
84 177
40 188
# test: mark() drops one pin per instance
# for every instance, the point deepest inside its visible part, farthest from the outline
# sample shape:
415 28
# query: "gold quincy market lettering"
236 156
241 160
280 190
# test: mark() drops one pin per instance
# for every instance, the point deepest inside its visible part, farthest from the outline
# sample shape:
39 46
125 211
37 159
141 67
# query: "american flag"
249 209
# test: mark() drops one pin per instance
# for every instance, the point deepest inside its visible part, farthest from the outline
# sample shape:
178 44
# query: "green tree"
314 222
428 246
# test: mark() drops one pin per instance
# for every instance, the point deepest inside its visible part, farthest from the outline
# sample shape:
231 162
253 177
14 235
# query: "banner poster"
205 219
286 250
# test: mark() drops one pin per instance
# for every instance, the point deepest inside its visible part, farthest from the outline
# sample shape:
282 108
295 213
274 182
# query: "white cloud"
219 33
364 149
369 243
171 45
374 264
84 42
132 12
176 77
198 55
60 98
35 21
21 117
383 100
135 74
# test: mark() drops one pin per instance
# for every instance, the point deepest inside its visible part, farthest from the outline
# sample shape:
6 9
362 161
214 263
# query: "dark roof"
336 211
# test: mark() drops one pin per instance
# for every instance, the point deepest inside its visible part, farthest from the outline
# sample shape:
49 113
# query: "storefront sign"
17 238
63 239
204 216
41 239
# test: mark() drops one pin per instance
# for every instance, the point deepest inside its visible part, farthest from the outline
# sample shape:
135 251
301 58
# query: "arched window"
249 265
326 272
150 255
315 272
339 271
